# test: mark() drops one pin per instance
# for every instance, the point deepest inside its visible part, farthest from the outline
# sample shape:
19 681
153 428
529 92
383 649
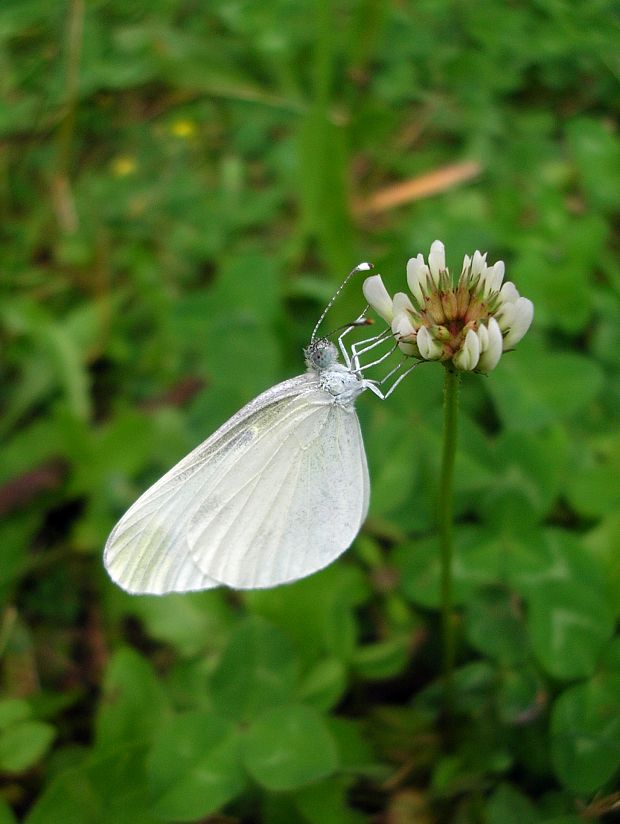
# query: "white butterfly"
275 494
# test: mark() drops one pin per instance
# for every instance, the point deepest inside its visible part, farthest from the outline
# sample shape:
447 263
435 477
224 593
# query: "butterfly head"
321 354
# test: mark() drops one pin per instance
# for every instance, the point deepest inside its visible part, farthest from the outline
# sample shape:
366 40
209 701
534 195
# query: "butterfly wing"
148 550
293 504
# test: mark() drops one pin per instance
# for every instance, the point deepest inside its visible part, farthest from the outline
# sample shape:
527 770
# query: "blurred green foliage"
182 188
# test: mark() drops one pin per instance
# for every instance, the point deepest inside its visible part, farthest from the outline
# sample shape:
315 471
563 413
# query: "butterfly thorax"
343 385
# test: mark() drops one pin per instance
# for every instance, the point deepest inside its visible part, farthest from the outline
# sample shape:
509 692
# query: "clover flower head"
468 324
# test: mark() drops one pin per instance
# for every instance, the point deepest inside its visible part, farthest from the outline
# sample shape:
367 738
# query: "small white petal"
402 303
523 316
428 346
494 277
478 263
493 351
483 337
469 354
408 349
472 344
465 273
378 297
508 293
436 260
402 327
417 273
505 316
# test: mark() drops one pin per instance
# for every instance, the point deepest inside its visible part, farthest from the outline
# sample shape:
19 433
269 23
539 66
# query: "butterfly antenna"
361 267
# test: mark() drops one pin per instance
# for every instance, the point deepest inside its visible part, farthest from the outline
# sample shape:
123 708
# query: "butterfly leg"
359 321
402 377
375 386
363 346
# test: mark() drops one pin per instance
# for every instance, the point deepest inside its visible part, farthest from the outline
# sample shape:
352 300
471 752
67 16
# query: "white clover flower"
468 324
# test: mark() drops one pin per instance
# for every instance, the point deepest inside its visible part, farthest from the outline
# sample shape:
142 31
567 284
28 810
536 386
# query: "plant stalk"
445 516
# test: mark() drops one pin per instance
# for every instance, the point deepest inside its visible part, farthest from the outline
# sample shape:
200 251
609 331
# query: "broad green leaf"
191 621
554 271
509 806
530 467
341 629
478 560
355 750
133 705
194 767
383 659
585 734
99 791
533 387
324 685
569 624
23 744
495 626
521 694
326 803
536 559
13 710
389 436
602 543
596 150
288 747
594 486
306 610
258 669
6 814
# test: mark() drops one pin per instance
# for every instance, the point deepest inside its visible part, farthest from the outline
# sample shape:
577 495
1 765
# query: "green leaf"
324 685
534 387
478 560
340 629
594 486
307 609
6 814
23 744
536 558
326 803
596 149
529 467
288 747
521 694
194 767
383 659
508 806
191 622
569 625
555 271
495 626
99 791
258 669
355 751
133 705
601 543
585 734
13 710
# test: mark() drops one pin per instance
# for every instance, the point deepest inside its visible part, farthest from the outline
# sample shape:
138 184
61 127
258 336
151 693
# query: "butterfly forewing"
292 505
148 550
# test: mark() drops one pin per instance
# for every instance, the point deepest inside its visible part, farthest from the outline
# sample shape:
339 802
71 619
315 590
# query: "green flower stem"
450 428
